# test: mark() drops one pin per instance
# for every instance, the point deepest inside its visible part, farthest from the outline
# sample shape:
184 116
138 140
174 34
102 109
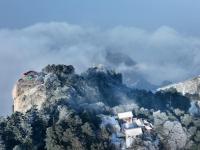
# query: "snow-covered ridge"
191 86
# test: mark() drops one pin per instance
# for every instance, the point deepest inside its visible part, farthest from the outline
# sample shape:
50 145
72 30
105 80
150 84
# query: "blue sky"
182 15
162 36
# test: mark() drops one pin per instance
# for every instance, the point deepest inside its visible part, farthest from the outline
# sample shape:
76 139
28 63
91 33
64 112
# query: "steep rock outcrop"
29 91
35 88
61 83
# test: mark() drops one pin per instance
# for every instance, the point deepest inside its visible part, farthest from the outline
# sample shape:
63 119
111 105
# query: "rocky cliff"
60 83
189 87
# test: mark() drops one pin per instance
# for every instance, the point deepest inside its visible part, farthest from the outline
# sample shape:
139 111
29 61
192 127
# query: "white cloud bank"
163 54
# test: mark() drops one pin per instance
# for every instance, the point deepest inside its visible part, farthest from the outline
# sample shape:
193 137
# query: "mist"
159 55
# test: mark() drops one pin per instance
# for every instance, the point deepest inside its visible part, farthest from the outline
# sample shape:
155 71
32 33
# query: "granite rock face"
189 87
29 91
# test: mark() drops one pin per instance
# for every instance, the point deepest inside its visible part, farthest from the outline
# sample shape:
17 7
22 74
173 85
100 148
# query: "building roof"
133 132
146 122
148 127
128 125
29 72
139 122
125 115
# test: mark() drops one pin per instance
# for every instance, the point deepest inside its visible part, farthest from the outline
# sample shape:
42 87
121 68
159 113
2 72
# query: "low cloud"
163 54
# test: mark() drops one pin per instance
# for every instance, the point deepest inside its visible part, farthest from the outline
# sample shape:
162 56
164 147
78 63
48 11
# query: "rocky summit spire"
32 87
60 83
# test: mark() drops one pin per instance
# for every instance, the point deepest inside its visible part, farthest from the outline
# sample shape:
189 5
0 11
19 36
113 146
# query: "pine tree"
2 145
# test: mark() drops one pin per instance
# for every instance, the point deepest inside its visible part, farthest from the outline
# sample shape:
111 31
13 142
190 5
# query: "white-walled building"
126 116
131 134
126 128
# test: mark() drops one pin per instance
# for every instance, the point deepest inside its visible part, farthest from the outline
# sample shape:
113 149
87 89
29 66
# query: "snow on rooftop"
125 115
139 122
133 132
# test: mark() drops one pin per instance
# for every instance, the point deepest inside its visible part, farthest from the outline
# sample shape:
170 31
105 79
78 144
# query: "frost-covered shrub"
174 135
186 119
159 118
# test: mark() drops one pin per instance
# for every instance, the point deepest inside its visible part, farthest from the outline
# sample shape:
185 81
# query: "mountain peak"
59 82
58 69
